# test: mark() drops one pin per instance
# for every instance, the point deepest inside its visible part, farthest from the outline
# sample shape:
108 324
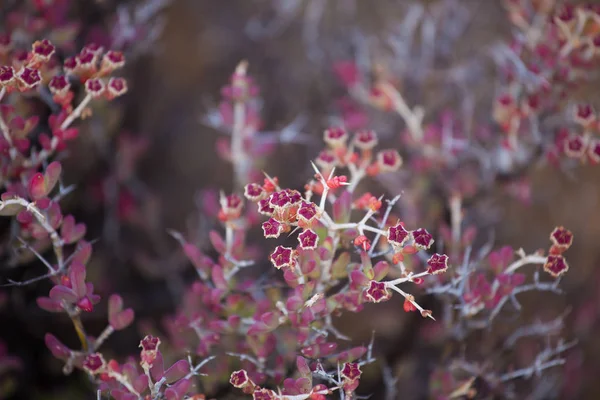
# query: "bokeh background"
290 46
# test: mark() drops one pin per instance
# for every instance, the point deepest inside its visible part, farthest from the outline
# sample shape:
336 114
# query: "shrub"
333 246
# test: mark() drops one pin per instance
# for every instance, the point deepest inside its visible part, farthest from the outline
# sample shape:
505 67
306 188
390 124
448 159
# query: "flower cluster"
560 57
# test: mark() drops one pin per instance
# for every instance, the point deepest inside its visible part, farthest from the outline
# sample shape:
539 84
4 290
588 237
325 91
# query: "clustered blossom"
310 270
32 193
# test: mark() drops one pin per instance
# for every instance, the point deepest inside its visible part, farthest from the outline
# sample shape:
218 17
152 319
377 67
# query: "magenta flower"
308 240
365 139
377 292
423 239
272 228
397 235
389 160
335 137
282 257
556 265
437 263
351 371
561 237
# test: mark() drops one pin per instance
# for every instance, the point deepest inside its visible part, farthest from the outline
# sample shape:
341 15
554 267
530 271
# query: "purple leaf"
177 371
61 293
77 275
55 346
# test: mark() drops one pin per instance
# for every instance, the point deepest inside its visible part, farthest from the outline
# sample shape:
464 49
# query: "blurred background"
155 165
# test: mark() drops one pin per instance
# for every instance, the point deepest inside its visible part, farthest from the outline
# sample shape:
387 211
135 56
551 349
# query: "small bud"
70 65
389 160
337 181
363 242
575 146
85 304
231 206
335 137
86 60
365 139
326 160
116 87
408 304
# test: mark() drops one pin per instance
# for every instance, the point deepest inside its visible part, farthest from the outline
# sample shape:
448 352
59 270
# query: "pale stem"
356 177
356 225
57 242
156 387
299 273
109 330
238 156
530 259
76 113
388 210
541 363
323 196
228 240
408 278
455 204
412 118
194 371
151 385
